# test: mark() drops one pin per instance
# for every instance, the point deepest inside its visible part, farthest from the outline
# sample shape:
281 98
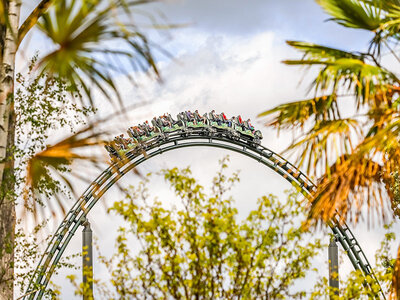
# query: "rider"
120 140
151 128
155 122
112 151
136 131
199 117
241 123
191 117
251 127
171 120
215 117
144 128
165 120
225 119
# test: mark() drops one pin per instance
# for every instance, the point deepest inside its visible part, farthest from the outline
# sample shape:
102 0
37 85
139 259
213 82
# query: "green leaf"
354 13
296 114
324 142
94 42
344 69
318 52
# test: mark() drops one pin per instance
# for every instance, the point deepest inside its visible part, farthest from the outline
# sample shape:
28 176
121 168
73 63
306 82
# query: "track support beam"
87 261
333 255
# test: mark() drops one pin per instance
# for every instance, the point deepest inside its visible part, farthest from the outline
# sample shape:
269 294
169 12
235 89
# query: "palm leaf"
45 169
354 13
296 114
87 35
355 182
390 27
324 142
341 69
318 52
51 172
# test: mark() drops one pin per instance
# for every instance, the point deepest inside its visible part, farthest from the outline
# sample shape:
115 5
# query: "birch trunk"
7 130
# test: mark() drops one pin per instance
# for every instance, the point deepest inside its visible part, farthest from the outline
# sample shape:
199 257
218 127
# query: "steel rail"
76 216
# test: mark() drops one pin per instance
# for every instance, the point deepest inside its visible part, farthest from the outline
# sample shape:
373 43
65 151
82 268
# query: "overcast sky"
227 58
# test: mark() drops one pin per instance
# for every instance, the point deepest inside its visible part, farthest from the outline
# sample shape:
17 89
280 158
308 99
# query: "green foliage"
201 248
395 189
95 41
356 14
42 106
28 249
353 285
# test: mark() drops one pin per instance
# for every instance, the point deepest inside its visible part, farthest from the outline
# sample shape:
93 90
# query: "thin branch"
373 58
391 50
32 19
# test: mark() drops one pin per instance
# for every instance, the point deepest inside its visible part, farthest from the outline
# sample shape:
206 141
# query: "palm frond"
354 13
324 142
322 53
88 37
340 69
354 183
45 169
390 27
383 136
296 114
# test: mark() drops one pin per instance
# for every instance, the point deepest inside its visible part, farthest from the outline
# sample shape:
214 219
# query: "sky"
227 57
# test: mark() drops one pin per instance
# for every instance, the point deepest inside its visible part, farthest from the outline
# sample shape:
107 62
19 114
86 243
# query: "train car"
247 134
145 136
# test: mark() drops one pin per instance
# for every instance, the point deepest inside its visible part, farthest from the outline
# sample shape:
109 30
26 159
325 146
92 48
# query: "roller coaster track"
77 214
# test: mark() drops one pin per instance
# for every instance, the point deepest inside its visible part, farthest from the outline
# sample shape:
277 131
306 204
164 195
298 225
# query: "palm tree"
348 133
92 40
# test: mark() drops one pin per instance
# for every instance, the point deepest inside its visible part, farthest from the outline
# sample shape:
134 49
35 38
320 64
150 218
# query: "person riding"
151 128
144 128
226 120
121 141
215 117
241 122
112 151
172 121
165 121
191 117
250 126
136 131
155 122
199 117
233 121
181 116
132 141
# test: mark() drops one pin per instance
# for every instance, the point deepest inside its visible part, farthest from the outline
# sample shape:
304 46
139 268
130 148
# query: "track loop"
177 140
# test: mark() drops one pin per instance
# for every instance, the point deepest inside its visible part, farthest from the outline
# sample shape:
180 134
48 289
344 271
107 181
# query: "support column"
87 261
333 254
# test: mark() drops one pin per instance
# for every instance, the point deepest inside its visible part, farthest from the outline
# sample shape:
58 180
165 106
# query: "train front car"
194 122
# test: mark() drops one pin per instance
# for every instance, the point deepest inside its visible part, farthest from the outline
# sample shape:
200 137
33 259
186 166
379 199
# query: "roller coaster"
166 134
145 136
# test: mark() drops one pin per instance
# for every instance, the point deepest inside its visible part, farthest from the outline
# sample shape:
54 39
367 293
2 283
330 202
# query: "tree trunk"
7 130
